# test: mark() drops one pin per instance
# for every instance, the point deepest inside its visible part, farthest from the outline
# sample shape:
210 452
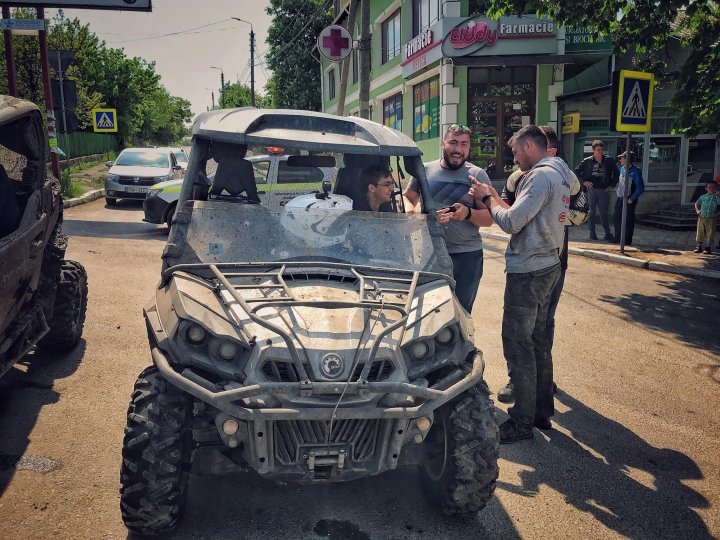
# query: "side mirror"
108 164
177 168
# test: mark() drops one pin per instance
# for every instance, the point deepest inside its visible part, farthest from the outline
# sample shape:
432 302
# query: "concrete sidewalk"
652 249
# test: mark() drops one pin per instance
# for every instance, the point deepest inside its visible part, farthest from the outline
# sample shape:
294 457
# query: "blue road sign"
631 108
104 120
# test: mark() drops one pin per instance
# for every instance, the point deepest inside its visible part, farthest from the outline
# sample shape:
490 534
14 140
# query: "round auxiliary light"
419 349
445 336
230 427
227 350
196 334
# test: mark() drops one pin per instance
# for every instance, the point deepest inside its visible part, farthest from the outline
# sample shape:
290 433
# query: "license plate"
136 190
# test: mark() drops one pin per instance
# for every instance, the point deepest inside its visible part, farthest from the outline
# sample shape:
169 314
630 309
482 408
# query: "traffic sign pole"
9 57
626 193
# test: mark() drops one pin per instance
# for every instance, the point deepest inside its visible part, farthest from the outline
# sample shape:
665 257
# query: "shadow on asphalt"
391 505
24 391
686 310
606 470
114 229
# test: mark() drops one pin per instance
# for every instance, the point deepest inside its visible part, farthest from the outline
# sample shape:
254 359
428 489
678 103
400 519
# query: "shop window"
391 37
392 112
500 101
424 14
331 84
426 109
663 160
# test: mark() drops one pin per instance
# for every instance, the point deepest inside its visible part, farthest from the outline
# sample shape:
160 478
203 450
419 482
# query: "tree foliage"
644 29
291 38
105 77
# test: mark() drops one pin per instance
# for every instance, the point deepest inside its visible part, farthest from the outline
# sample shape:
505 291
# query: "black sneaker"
593 236
707 251
609 237
512 431
542 423
506 395
613 239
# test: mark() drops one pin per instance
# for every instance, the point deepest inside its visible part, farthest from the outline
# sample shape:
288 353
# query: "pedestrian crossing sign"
104 120
632 96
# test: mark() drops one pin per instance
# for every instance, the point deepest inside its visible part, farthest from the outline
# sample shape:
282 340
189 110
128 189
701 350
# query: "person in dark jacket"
600 175
637 187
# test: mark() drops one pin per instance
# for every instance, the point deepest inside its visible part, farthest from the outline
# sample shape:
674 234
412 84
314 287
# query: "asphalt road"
634 452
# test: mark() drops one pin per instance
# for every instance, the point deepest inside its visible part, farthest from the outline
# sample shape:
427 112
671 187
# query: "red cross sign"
334 43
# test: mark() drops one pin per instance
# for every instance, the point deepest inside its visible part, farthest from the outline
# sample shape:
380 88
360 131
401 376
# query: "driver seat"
234 176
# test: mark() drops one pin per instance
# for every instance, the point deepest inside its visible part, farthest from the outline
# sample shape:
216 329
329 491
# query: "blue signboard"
631 107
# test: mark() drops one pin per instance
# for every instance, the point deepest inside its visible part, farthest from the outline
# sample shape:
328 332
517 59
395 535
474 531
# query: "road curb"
85 198
689 271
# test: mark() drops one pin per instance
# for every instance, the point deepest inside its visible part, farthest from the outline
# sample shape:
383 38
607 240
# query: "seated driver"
378 186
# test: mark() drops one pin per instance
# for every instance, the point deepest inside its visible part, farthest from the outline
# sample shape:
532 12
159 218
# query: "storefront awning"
519 60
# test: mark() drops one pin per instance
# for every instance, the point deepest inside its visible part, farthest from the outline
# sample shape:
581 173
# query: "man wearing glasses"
449 180
378 186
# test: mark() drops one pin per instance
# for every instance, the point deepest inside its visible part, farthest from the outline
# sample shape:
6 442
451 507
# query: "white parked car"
136 170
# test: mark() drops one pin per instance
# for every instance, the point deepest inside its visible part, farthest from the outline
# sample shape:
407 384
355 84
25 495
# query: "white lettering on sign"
418 43
419 62
539 29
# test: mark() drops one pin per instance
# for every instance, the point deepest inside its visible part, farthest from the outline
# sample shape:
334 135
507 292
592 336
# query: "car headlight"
445 336
112 177
152 193
166 177
227 350
195 334
419 349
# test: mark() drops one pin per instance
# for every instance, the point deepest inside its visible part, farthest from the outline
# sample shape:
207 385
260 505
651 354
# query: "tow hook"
325 456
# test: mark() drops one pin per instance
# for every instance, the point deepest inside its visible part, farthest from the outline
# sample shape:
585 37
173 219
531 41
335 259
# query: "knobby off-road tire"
68 317
157 454
462 468
110 201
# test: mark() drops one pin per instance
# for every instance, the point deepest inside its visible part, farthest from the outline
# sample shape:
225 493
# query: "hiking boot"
609 237
512 431
593 236
506 395
698 248
542 423
707 251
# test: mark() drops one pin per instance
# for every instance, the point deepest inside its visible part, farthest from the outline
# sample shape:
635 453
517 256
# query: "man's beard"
448 164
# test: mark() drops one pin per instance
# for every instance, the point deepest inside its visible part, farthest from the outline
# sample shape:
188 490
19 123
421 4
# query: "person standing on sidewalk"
506 394
536 225
449 180
637 186
600 175
707 208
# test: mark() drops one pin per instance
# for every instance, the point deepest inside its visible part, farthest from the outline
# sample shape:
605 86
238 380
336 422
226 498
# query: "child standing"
707 208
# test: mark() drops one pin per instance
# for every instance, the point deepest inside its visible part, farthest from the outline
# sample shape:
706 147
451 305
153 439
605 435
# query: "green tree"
238 95
291 38
644 30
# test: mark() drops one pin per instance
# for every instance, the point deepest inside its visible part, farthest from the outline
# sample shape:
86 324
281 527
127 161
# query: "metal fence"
82 143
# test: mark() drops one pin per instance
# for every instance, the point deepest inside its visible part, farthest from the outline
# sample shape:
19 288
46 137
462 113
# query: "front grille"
130 181
284 371
290 435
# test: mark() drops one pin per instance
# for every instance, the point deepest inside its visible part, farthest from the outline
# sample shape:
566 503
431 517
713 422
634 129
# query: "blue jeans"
526 343
467 271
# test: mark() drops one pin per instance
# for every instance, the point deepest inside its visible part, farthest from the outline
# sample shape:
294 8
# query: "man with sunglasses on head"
449 180
378 186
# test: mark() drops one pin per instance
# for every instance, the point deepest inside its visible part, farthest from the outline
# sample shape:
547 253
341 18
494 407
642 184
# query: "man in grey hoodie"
536 224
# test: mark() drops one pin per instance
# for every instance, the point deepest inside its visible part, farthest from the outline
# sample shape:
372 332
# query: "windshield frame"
126 153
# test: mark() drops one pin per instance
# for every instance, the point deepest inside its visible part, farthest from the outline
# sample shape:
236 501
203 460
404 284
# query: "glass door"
700 168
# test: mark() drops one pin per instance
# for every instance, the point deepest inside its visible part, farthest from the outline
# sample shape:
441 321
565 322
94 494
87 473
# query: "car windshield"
304 207
143 159
180 156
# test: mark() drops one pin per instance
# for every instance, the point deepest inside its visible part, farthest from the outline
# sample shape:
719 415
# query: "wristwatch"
485 198
469 214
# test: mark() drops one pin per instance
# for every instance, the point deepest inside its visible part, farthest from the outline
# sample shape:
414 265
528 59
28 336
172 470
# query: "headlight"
112 177
166 177
152 193
446 336
227 350
419 350
195 334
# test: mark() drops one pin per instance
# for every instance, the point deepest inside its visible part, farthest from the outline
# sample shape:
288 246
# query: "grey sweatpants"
601 199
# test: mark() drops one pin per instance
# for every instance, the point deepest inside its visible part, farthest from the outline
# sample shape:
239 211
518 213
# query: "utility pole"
9 57
364 51
222 86
252 59
345 69
49 112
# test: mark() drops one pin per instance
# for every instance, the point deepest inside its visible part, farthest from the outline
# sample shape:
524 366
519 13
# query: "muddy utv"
43 297
300 338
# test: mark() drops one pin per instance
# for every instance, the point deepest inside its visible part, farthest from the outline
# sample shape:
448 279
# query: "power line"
189 30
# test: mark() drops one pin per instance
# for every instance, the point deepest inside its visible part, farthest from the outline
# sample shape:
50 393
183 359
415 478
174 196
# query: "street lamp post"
252 60
222 86
212 97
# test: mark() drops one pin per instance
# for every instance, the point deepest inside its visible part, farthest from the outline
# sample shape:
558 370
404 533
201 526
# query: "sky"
206 36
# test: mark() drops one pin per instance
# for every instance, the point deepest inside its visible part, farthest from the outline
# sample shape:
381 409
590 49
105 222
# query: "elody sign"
508 35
